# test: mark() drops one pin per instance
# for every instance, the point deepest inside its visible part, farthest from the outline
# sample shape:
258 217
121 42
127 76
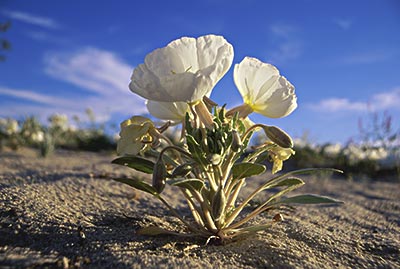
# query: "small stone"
278 217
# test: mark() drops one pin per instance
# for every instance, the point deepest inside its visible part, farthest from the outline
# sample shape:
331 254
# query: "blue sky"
343 57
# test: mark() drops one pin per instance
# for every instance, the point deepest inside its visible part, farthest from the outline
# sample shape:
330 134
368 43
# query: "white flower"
59 121
172 111
354 153
376 154
278 156
136 135
8 126
184 71
38 136
263 89
332 150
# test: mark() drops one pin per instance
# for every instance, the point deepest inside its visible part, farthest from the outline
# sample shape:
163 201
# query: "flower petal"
126 147
177 57
144 83
281 100
133 131
215 56
174 112
183 71
264 89
251 74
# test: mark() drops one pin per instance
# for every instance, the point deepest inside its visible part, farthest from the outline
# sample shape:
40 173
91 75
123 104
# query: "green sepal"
196 150
135 162
188 124
221 113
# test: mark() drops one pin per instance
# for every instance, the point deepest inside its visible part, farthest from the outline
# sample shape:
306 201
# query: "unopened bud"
236 141
278 136
182 170
215 159
218 204
159 175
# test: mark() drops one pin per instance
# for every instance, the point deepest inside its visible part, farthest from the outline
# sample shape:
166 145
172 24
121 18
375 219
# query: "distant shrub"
59 133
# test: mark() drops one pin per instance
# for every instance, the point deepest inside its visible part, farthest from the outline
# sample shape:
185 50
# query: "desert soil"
65 212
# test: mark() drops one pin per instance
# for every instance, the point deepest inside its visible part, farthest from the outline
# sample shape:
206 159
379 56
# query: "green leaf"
138 184
313 171
300 172
137 163
309 199
195 150
290 181
182 170
155 230
242 170
188 124
187 183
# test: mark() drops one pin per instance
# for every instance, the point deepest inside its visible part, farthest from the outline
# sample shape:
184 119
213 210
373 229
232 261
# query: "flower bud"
236 141
218 204
159 175
215 159
182 170
278 136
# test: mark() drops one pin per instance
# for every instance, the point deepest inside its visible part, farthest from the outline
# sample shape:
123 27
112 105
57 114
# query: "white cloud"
338 104
369 57
101 73
288 46
38 35
33 96
42 36
31 19
379 101
282 30
343 23
386 100
40 105
287 51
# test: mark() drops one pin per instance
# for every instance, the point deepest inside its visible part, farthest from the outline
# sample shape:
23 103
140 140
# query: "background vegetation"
374 153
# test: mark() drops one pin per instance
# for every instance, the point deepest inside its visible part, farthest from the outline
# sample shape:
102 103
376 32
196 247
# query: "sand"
66 212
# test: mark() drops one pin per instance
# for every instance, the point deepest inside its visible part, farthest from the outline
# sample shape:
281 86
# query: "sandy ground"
65 212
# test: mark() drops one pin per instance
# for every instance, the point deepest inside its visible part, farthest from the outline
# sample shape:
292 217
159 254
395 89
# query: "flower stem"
188 225
174 148
196 211
250 129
